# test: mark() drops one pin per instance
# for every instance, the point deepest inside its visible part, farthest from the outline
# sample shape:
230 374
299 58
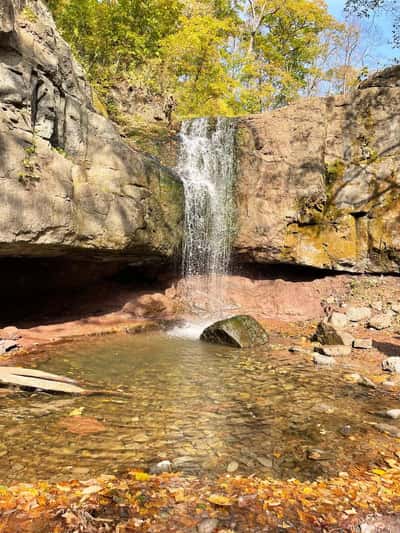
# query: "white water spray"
206 166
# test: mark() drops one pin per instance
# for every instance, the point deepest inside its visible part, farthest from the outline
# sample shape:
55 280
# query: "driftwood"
36 379
31 378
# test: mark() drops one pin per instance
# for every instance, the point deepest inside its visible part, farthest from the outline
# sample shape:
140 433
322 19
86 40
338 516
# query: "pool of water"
204 408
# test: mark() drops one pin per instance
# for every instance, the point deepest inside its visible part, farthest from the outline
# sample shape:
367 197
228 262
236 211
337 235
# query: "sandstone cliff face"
68 184
319 181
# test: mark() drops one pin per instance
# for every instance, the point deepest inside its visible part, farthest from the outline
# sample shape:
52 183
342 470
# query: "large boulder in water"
241 331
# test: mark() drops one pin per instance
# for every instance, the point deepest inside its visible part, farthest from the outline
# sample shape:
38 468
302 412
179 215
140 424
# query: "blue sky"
384 52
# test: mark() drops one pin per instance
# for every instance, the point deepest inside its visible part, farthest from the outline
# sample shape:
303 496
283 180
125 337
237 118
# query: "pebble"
209 525
346 430
315 455
80 471
393 413
338 320
162 466
357 314
298 349
335 350
387 428
382 321
324 408
182 460
389 384
346 338
267 463
232 467
7 346
392 364
323 360
362 344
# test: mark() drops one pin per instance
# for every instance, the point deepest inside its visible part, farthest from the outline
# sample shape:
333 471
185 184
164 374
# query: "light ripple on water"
191 399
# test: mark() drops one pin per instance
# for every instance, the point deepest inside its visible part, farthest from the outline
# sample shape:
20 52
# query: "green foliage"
213 56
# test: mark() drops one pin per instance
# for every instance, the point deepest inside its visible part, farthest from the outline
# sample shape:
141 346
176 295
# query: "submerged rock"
241 331
161 467
394 431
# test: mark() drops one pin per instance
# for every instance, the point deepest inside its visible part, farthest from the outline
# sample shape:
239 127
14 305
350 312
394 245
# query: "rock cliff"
318 181
68 183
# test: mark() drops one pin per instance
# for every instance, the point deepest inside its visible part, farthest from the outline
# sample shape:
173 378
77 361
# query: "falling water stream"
206 166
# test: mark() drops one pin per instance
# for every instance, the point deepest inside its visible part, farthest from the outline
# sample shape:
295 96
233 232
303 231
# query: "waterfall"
206 166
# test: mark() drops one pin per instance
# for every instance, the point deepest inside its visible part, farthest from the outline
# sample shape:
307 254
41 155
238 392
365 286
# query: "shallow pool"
205 408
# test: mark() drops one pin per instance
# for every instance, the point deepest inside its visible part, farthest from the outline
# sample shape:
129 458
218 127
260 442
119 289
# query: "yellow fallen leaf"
378 379
141 476
273 503
378 471
76 412
179 495
218 499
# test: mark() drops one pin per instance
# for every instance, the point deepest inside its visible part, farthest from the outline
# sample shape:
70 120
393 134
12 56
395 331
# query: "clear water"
200 405
206 166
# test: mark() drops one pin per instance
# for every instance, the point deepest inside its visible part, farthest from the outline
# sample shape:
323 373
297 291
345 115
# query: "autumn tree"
280 41
211 56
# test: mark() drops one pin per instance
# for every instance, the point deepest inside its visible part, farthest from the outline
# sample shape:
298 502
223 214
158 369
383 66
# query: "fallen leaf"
218 499
179 495
76 412
378 471
82 425
141 476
